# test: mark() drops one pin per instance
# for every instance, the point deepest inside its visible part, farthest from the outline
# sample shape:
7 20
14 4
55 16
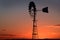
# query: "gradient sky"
15 18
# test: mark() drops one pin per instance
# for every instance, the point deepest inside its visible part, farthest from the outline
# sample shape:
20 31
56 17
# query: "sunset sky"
15 18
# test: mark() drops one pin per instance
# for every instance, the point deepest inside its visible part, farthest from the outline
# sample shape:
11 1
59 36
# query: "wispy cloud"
57 25
6 35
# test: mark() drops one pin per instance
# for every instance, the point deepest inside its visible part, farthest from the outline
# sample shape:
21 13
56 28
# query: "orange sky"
43 32
49 32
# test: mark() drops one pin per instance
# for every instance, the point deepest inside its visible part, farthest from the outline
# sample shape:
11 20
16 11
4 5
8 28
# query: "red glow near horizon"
44 32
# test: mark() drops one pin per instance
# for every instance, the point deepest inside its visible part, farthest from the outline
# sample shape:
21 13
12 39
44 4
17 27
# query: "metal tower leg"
35 33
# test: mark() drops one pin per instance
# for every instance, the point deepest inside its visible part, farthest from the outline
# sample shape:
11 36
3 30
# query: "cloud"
57 25
7 36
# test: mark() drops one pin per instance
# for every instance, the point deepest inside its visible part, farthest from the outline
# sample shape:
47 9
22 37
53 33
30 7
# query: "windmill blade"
32 5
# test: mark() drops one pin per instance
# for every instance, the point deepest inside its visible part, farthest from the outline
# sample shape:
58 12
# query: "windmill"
32 12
